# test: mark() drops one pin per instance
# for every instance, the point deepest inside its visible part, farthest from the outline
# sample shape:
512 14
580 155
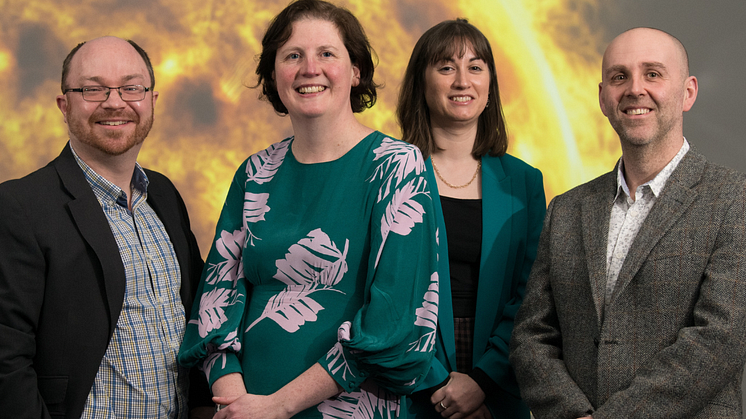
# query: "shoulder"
37 185
385 144
604 185
158 180
512 164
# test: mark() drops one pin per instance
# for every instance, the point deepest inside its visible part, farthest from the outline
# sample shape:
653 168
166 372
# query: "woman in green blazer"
490 214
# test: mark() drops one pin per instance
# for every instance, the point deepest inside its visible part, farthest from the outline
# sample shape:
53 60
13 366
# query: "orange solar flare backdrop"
207 122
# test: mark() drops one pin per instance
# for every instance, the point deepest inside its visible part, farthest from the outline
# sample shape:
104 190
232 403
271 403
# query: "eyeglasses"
129 93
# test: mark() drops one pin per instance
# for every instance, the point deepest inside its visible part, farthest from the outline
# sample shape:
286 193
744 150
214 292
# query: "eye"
327 54
619 77
475 68
131 88
653 74
293 56
93 89
445 68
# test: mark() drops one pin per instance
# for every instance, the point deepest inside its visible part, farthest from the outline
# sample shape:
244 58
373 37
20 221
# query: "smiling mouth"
637 111
311 89
461 98
112 123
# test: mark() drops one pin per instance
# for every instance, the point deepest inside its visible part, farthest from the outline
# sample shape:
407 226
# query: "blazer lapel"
595 213
498 205
91 221
675 198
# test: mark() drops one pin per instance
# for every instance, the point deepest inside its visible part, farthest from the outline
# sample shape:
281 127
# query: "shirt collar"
104 189
659 181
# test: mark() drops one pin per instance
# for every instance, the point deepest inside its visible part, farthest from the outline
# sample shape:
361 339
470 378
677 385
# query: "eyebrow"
124 79
646 64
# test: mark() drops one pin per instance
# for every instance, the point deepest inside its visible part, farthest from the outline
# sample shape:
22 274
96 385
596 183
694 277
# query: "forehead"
639 48
110 60
311 31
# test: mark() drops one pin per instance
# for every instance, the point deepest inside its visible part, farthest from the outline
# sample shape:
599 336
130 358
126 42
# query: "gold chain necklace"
479 166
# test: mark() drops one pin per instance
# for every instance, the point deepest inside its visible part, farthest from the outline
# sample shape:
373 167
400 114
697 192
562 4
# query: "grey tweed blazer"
670 343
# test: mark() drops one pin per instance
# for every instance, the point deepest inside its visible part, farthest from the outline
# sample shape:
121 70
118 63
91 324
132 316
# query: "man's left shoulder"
705 177
160 184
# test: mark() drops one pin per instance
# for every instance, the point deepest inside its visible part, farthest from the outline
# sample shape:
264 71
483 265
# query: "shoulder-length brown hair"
441 42
353 36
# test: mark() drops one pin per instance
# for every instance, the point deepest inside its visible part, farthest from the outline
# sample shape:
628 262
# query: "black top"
463 220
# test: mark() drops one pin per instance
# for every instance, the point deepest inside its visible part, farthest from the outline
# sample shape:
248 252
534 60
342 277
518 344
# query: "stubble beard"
112 143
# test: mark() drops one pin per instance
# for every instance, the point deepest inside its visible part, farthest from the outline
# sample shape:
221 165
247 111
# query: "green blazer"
513 208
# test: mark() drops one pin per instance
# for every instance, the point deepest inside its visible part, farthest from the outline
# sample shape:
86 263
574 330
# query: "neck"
454 143
116 169
320 140
643 163
458 173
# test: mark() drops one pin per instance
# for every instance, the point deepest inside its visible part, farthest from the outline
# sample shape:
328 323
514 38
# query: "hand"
251 406
458 398
482 412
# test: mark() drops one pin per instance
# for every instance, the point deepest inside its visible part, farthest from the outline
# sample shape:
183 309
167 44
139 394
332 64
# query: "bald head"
110 41
654 42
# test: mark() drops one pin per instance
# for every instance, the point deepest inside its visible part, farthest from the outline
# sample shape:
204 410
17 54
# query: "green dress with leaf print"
330 262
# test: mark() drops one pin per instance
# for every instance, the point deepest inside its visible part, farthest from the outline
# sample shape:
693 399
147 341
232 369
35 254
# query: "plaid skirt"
463 328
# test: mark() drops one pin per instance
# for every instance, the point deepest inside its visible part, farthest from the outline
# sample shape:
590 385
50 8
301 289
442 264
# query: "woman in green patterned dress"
319 295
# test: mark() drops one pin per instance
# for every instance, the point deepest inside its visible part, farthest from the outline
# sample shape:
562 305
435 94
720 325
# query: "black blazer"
62 285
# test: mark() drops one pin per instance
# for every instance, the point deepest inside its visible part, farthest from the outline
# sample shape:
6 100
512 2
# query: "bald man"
636 304
98 265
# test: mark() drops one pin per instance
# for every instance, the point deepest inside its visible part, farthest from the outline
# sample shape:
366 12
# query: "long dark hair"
441 42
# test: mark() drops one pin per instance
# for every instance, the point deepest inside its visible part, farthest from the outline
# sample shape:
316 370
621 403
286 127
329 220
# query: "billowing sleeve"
212 338
391 338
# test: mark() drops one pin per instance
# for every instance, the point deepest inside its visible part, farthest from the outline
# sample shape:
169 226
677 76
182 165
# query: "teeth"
311 89
461 98
113 123
638 111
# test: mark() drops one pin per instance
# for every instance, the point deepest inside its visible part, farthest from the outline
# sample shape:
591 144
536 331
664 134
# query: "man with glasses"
98 265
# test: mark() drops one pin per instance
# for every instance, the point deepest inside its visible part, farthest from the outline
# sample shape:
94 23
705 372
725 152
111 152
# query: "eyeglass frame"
108 92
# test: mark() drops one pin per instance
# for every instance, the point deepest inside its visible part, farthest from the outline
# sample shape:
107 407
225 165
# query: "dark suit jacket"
671 341
62 285
513 207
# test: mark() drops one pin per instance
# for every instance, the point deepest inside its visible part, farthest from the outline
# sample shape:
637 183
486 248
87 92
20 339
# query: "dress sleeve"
212 338
391 338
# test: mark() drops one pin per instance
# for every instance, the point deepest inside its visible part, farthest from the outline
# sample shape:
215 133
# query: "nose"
310 66
461 79
636 86
114 100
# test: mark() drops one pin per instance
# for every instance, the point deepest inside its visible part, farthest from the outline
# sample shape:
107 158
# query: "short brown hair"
69 58
353 36
441 42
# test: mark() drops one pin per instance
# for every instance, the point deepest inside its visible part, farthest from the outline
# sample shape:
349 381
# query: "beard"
113 143
635 133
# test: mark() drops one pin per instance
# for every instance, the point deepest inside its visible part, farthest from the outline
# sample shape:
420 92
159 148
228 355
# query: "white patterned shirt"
627 215
138 377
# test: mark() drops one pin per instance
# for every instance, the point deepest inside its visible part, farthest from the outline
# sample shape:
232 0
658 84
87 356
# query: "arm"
536 343
390 339
309 389
22 283
465 393
211 340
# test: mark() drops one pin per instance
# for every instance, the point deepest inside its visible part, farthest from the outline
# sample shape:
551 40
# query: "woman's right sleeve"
212 339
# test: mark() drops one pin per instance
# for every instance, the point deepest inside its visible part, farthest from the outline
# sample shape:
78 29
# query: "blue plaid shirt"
138 376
